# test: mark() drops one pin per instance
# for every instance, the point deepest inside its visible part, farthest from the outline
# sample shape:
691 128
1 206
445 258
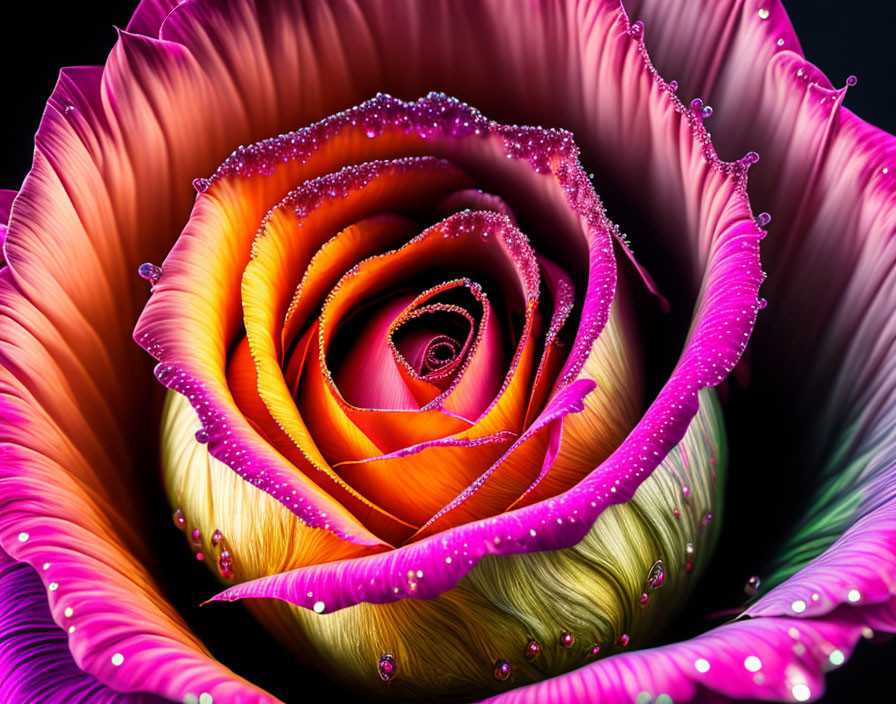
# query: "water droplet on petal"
763 219
150 272
763 13
762 304
567 639
387 667
595 649
180 520
657 575
201 436
532 649
851 80
700 109
217 537
201 184
225 564
637 29
643 599
623 640
673 85
801 692
752 586
502 670
23 537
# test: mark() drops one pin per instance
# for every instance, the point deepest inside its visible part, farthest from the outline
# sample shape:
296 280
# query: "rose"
334 403
136 595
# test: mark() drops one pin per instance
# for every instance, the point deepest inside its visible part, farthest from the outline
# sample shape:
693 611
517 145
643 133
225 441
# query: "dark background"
38 38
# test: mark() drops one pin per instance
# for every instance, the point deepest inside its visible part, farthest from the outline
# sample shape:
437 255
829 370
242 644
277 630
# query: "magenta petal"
149 15
6 199
858 570
36 663
777 659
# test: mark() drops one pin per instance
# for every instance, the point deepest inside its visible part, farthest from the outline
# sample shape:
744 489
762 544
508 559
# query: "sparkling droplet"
752 586
387 667
595 649
201 184
837 658
753 664
763 13
567 639
637 29
23 537
644 598
319 607
180 520
657 575
69 611
217 537
700 109
701 665
673 85
201 436
68 109
763 219
532 649
798 606
225 564
199 557
689 548
206 698
853 596
623 640
502 670
851 80
196 537
686 492
53 586
707 519
801 692
117 659
781 42
676 513
762 304
150 272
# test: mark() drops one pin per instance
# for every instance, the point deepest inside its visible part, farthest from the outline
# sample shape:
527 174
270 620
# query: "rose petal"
764 659
34 658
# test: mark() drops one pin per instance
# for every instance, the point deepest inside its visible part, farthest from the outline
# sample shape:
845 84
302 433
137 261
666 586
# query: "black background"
38 38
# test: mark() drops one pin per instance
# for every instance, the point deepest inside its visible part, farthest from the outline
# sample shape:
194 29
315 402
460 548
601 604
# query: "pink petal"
34 657
777 659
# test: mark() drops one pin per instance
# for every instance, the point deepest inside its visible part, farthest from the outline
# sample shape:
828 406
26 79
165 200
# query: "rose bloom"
425 411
